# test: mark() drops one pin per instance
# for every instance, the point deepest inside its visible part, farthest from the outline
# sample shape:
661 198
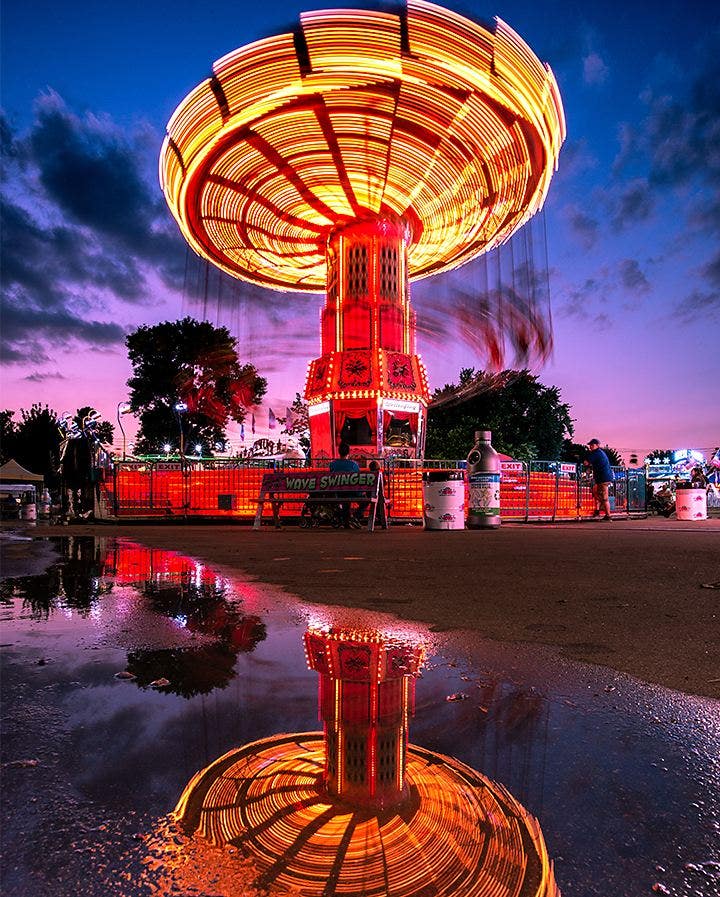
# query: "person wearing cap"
602 478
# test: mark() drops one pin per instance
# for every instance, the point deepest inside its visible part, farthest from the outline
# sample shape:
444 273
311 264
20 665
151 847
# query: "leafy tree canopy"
7 433
578 452
527 419
34 441
194 363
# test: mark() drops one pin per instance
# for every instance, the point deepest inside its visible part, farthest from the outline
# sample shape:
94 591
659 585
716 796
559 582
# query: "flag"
252 426
242 432
272 423
289 418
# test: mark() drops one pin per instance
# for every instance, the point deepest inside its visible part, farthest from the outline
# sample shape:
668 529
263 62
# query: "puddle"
623 777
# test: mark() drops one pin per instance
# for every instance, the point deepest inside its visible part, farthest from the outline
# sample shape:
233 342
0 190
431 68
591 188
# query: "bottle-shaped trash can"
483 472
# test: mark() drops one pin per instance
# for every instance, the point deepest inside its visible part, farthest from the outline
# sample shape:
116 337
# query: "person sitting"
344 464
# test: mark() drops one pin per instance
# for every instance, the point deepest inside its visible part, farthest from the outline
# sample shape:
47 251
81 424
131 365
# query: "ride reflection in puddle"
356 809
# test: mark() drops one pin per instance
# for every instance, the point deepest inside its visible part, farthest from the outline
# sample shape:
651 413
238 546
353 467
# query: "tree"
297 423
36 440
7 435
187 380
574 452
527 419
614 456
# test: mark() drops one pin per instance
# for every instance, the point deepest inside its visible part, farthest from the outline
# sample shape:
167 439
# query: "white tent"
12 472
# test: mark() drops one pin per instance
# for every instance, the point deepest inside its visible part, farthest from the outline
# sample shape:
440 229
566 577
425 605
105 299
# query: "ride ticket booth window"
356 424
400 429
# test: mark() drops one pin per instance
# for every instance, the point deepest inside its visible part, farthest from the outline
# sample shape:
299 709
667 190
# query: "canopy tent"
12 472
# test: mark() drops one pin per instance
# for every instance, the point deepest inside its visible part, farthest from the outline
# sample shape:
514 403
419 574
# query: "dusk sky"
633 215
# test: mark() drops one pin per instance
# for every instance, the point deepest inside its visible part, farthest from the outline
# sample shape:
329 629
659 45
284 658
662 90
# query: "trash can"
691 504
444 499
29 511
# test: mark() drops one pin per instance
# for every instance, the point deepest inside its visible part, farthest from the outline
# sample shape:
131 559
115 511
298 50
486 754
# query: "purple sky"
633 215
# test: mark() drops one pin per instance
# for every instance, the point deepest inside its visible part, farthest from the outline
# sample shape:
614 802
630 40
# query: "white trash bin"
691 504
444 499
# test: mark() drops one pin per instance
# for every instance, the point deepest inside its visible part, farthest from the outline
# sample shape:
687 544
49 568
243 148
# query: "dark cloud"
39 377
711 271
61 326
84 224
630 203
582 226
23 351
704 301
632 278
584 303
679 139
698 305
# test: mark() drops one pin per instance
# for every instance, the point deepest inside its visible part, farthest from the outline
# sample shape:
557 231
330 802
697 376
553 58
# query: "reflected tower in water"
356 810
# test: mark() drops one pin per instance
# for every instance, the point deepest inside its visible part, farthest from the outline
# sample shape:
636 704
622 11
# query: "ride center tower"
355 154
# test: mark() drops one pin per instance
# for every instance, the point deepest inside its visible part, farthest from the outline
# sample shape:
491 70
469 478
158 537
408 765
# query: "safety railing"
534 490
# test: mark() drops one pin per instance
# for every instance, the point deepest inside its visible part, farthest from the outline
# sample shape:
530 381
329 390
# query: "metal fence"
535 490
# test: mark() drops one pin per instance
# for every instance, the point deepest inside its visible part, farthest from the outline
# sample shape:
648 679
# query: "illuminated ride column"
368 388
366 694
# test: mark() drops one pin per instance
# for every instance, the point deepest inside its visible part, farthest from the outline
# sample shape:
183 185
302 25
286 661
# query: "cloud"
83 225
679 137
582 226
711 271
632 278
631 203
39 377
582 303
697 305
594 69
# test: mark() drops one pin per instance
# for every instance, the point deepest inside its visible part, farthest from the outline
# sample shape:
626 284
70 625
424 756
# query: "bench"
323 487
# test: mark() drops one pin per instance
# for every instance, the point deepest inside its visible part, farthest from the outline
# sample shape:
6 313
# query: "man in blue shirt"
602 478
343 464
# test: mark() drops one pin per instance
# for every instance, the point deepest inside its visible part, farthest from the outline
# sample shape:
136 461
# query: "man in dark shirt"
343 464
602 478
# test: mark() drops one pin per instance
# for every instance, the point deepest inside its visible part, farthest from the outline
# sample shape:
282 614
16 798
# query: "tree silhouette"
34 442
527 419
191 363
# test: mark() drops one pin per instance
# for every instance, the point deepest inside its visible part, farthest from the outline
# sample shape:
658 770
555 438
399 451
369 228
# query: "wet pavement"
624 777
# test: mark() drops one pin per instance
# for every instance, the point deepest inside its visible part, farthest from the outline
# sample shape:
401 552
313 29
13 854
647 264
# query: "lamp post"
180 408
123 408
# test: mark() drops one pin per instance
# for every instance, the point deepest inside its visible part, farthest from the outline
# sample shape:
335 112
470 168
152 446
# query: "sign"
326 485
568 468
401 405
511 466
332 481
484 498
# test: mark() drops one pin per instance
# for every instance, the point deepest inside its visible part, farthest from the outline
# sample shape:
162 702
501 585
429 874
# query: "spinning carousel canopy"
452 126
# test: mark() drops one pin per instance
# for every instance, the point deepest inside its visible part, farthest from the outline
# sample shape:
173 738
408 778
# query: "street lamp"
180 408
123 408
166 448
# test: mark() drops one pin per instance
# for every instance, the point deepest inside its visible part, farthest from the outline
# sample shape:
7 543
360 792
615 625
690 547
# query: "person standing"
602 478
343 464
